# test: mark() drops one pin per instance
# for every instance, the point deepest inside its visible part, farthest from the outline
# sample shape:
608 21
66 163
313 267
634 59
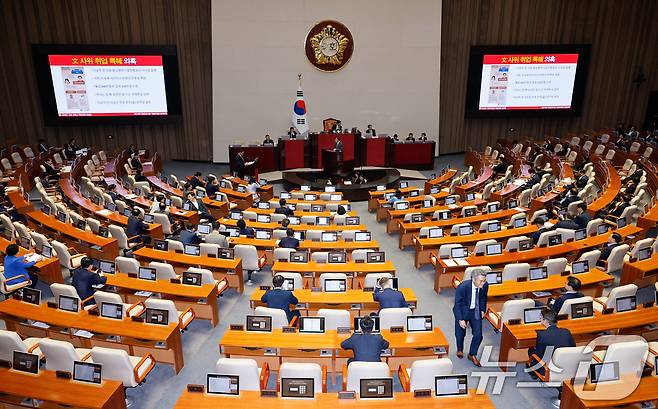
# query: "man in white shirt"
470 306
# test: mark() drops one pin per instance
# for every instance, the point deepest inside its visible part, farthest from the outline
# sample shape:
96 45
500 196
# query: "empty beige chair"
124 242
555 266
348 235
467 209
184 318
615 261
355 371
17 159
454 231
422 373
174 245
320 256
279 317
206 249
360 255
631 356
10 341
66 259
393 317
60 355
119 366
518 216
484 226
563 365
250 376
512 272
251 261
335 318
332 276
129 310
163 271
601 303
609 155
314 235
513 243
481 246
512 310
639 245
208 278
592 226
93 224
282 254
591 256
305 370
126 265
445 249
566 307
163 220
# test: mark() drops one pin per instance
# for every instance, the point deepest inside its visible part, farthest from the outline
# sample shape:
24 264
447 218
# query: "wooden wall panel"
623 35
184 23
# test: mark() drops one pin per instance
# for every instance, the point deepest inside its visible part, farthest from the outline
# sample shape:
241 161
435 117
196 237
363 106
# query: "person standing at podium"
292 133
240 162
338 145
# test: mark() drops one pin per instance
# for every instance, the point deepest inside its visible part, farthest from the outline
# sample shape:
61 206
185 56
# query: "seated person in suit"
197 204
500 168
340 210
539 222
244 230
395 138
582 216
533 180
289 242
215 238
112 191
551 214
581 182
423 137
571 290
164 209
387 296
268 141
568 223
570 198
614 241
43 146
396 198
292 133
410 137
84 278
370 131
212 187
620 206
136 227
367 347
135 163
283 208
549 339
17 268
285 223
280 298
197 180
188 235
155 205
139 177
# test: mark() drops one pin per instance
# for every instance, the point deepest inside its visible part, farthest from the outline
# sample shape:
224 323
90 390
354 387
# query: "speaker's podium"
334 165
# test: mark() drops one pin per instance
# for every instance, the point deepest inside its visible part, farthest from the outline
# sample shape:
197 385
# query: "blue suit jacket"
289 243
16 268
366 347
389 298
211 190
462 305
189 237
135 227
552 336
83 280
281 299
559 302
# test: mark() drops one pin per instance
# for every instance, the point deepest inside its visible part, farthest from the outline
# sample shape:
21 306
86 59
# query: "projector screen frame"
474 79
43 80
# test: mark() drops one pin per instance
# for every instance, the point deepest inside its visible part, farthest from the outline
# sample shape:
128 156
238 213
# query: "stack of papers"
143 293
83 333
462 262
104 212
130 196
33 257
519 182
40 324
541 293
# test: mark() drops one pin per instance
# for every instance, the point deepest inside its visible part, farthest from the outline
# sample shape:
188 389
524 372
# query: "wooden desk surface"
252 399
352 296
300 213
160 286
203 261
478 218
610 192
47 387
166 187
634 270
82 320
308 244
647 390
349 267
457 207
297 227
502 234
71 231
553 282
313 192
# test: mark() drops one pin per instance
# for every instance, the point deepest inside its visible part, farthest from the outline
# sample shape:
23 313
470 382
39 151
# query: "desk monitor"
644 253
604 372
305 188
522 222
149 218
579 267
434 190
236 215
46 251
157 316
25 362
602 228
226 254
435 233
335 198
127 212
285 195
146 273
329 236
374 388
217 384
299 257
582 310
444 215
623 304
492 208
112 310
387 196
263 234
31 295
335 285
427 203
469 196
451 385
494 249
167 201
414 193
241 189
330 189
310 197
465 230
191 278
204 229
103 231
299 235
459 252
263 205
375 257
451 200
322 221
311 325
192 249
555 240
233 232
512 203
380 188
260 323
621 222
495 277
580 234
87 372
532 315
66 303
526 244
162 245
470 212
26 242
45 209
352 221
538 273
419 323
401 205
297 387
288 284
337 257
362 236
494 226
81 224
294 220
404 185
107 267
186 206
357 324
61 216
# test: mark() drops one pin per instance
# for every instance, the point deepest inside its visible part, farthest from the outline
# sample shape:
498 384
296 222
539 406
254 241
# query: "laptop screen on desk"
67 303
223 384
469 212
157 316
236 215
107 267
149 218
112 310
602 229
525 245
225 254
492 208
494 249
299 257
192 250
554 240
401 205
146 273
297 388
520 222
414 193
311 324
335 285
450 385
263 205
644 253
459 252
494 227
362 236
87 372
161 245
190 278
404 185
444 215
329 236
337 257
259 323
375 257
263 218
469 196
31 295
204 229
580 234
263 234
465 230
435 233
376 388
352 221
512 203
419 323
494 277
322 221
